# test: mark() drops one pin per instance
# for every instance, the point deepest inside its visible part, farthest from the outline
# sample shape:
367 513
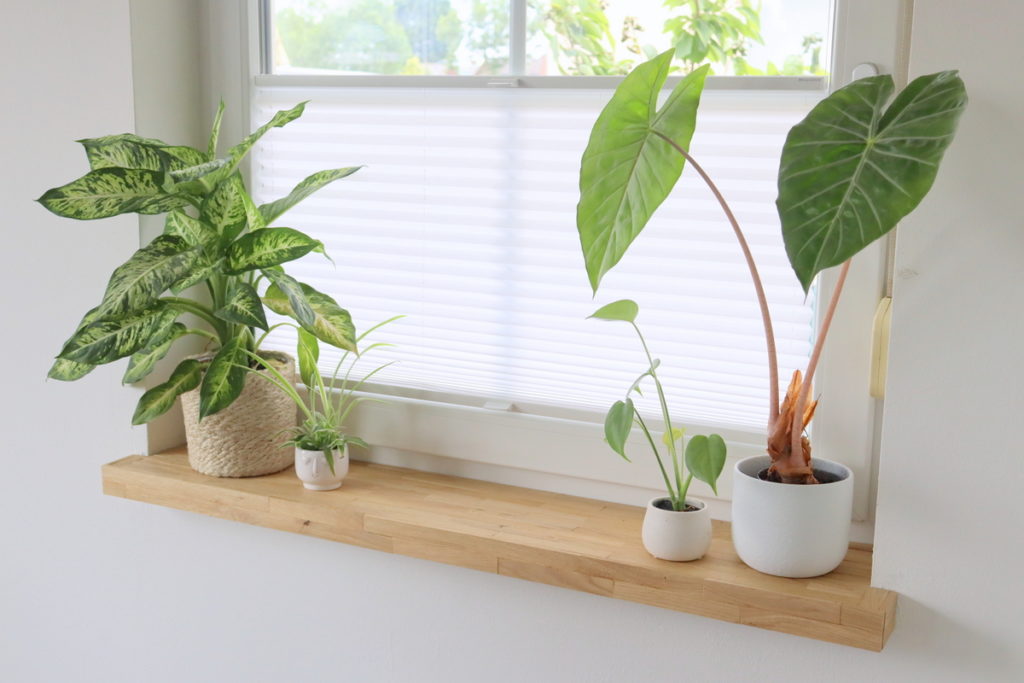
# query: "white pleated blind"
464 220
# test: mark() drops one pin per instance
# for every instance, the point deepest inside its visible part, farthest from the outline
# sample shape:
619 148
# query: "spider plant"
329 402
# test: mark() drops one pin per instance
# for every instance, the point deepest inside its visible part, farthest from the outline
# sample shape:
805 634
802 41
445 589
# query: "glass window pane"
738 37
393 37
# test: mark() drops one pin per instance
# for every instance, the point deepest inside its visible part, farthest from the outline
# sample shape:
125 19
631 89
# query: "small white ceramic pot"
677 536
312 468
791 530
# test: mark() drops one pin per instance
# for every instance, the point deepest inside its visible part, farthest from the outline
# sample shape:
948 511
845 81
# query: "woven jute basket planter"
245 439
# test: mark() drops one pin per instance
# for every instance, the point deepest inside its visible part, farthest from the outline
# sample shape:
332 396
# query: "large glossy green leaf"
225 378
330 322
131 151
107 339
143 361
160 398
705 458
267 247
192 230
224 209
852 168
286 296
243 306
68 370
273 210
308 351
617 425
111 191
203 270
138 282
628 168
624 309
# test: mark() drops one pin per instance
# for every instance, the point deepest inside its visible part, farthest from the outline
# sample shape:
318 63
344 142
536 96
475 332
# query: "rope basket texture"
244 439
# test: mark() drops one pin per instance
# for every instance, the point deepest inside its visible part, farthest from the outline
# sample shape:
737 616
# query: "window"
464 219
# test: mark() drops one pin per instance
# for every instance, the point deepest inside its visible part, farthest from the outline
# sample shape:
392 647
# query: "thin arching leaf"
138 282
852 168
160 398
273 210
628 168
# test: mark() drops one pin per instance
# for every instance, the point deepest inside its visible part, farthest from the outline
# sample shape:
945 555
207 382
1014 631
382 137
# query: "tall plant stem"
762 300
812 364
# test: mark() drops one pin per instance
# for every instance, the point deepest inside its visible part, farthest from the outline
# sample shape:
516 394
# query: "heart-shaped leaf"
267 247
160 398
138 282
705 458
107 339
142 362
624 309
852 168
225 378
243 306
273 210
617 425
108 192
628 168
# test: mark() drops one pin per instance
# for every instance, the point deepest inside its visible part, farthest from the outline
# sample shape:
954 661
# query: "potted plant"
848 173
218 244
320 441
676 527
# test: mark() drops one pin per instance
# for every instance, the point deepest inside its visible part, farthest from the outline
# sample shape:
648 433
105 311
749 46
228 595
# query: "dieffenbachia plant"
704 456
214 236
859 162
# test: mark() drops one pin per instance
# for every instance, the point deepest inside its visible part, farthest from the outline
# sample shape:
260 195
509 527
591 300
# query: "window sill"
576 543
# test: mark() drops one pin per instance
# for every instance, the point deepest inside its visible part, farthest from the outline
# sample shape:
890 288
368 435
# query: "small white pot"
677 536
312 468
791 530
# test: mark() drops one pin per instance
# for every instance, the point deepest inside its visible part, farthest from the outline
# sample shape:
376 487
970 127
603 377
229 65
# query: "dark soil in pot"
822 476
666 504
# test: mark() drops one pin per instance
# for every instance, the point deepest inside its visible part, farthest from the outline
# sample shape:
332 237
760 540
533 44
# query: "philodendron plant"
215 236
859 162
704 455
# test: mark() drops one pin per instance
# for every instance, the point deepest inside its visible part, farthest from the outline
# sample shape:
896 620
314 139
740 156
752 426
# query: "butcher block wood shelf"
578 543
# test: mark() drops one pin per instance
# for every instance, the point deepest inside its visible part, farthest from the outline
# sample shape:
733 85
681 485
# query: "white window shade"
464 220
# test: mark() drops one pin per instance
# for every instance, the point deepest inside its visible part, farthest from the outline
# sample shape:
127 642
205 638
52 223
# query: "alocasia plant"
849 171
214 236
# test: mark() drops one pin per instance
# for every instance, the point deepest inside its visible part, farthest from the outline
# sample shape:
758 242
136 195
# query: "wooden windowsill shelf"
576 543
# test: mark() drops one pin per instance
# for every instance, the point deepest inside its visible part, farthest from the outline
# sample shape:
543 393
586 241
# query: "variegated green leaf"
853 168
111 191
192 230
203 270
273 210
132 151
224 209
225 378
68 370
287 297
254 219
243 306
198 180
211 147
331 323
267 247
142 362
308 350
107 339
160 398
147 274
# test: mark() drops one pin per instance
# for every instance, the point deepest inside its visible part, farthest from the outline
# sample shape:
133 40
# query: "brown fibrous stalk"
792 466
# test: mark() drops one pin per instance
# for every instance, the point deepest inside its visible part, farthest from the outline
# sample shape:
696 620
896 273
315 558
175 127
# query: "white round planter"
677 536
791 530
312 468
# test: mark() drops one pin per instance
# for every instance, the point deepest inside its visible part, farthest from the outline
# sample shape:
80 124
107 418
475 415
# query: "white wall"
103 589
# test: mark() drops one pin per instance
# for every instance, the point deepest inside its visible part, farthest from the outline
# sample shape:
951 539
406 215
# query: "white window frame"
564 450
